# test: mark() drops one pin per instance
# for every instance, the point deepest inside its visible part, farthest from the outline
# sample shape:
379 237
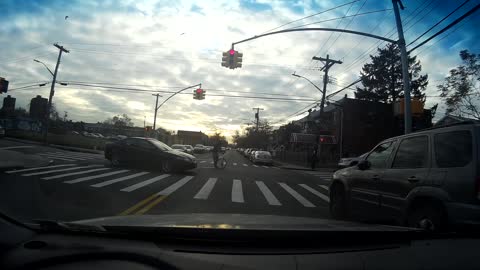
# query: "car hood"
237 221
181 154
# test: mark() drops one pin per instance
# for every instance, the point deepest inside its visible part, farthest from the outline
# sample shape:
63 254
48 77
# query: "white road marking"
296 195
211 162
206 189
237 192
74 154
234 164
203 161
266 167
59 158
86 178
40 168
60 170
319 194
169 190
271 199
245 165
324 187
113 181
74 173
255 166
145 183
16 147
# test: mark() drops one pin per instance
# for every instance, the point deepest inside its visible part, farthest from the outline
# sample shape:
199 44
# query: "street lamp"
321 91
43 65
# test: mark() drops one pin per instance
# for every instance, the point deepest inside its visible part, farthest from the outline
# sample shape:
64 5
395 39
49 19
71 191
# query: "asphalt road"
82 185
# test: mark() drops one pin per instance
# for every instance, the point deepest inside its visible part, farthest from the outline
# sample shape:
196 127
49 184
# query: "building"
38 107
191 137
8 108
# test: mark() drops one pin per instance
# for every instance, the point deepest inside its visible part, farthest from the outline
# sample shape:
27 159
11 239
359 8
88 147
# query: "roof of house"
448 119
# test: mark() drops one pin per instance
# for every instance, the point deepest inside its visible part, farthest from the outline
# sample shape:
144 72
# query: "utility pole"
52 90
156 110
404 58
328 63
257 116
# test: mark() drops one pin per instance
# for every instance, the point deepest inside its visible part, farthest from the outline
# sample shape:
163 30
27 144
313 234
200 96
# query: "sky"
160 45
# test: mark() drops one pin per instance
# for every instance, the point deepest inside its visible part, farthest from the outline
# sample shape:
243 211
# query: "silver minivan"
428 179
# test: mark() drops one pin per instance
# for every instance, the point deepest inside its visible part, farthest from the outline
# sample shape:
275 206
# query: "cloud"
254 5
197 9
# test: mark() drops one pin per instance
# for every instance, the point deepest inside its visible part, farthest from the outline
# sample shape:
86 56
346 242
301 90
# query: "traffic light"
232 59
237 60
327 139
3 85
227 59
199 94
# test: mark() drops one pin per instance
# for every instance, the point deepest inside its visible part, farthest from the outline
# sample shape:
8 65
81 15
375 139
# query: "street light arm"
181 90
44 66
296 75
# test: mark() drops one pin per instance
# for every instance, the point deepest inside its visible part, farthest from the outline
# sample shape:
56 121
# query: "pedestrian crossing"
322 175
272 193
209 163
70 156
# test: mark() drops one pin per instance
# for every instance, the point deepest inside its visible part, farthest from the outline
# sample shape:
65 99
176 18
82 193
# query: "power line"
309 16
470 12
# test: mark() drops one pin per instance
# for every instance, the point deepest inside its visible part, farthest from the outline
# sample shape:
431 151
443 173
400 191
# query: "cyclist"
215 151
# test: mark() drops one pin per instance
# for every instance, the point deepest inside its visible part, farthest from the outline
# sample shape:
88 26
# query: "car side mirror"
363 165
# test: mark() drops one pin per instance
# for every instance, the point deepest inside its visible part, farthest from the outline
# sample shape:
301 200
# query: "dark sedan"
148 152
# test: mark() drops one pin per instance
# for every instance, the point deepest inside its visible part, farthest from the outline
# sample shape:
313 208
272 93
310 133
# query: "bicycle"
221 163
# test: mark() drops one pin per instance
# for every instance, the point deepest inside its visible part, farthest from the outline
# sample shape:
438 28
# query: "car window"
379 156
140 143
412 153
453 149
161 145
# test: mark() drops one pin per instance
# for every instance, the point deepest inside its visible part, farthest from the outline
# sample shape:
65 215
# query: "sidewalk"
292 166
63 147
10 160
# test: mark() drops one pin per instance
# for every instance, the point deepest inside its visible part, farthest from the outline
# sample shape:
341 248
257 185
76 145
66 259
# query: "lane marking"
60 170
67 155
74 173
75 154
266 167
40 168
64 159
113 181
324 187
206 189
271 199
169 190
296 195
138 205
16 147
150 205
234 164
237 192
86 178
315 192
255 166
245 165
145 183
203 161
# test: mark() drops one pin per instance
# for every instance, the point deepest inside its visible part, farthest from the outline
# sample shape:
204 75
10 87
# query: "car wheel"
166 166
428 216
338 202
114 160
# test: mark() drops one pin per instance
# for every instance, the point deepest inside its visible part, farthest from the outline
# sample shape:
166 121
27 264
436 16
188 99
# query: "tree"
460 90
20 112
382 78
119 121
255 138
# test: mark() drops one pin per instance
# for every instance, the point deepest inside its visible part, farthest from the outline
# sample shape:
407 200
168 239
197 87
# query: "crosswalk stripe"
113 181
169 190
296 195
40 168
271 199
74 154
59 158
206 189
203 161
315 192
234 164
255 166
324 187
60 170
145 183
245 165
266 167
237 192
74 173
86 178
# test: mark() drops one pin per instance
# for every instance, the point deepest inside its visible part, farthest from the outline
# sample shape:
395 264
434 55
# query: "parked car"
2 131
74 133
189 149
199 148
263 157
427 179
179 147
252 153
349 162
245 153
148 152
98 135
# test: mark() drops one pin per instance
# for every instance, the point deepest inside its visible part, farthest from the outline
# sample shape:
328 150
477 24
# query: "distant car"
121 137
251 153
2 132
199 148
189 149
75 133
349 162
179 147
263 157
148 152
98 135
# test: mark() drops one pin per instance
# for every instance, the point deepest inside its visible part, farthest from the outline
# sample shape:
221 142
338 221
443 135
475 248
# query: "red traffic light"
231 52
199 90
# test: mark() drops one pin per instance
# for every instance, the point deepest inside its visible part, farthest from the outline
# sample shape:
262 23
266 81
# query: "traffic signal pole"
156 110
257 116
52 91
328 64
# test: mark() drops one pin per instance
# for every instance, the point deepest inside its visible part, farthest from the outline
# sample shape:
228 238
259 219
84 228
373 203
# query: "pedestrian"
314 156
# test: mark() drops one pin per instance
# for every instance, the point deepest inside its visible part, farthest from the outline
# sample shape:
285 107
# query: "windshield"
311 109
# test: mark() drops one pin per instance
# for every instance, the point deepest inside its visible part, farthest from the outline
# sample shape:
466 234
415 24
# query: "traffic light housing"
232 59
3 85
227 59
237 60
199 94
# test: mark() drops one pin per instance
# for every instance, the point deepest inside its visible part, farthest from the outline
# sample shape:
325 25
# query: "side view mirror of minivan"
363 165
